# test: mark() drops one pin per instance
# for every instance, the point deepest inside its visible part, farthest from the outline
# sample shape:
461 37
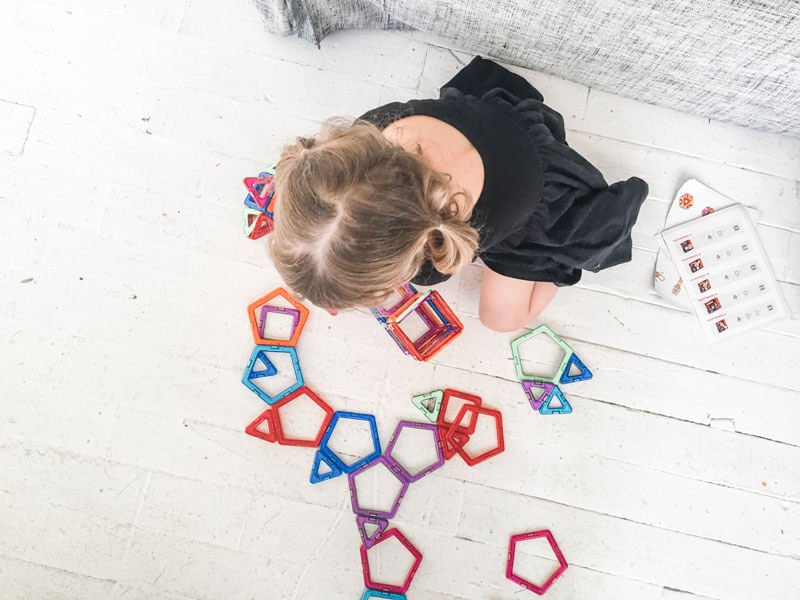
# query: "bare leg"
542 294
508 304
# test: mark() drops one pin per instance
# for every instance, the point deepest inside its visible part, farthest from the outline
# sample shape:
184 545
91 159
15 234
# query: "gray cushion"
732 60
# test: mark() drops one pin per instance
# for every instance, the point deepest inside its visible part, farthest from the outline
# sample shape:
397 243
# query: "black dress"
545 213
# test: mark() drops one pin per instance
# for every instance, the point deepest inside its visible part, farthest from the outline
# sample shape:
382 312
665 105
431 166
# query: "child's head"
356 216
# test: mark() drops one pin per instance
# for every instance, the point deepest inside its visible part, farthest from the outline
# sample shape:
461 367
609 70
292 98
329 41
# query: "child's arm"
508 304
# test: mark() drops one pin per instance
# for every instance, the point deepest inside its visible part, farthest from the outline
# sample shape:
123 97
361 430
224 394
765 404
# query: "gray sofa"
729 60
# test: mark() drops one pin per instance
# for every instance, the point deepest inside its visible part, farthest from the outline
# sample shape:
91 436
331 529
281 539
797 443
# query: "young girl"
417 190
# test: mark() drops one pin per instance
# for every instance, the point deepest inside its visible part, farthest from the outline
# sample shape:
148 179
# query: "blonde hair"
356 216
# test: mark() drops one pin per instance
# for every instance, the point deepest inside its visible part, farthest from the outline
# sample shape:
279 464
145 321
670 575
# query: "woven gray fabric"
729 60
312 20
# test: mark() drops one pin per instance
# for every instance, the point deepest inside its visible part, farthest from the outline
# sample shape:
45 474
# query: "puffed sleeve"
481 75
531 266
428 275
384 115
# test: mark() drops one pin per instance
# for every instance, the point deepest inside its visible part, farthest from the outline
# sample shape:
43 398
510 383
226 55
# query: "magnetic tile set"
448 438
442 324
259 204
544 392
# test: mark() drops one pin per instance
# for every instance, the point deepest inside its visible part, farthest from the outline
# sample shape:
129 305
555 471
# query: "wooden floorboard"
126 129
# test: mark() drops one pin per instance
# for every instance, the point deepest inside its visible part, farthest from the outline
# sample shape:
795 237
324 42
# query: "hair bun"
307 143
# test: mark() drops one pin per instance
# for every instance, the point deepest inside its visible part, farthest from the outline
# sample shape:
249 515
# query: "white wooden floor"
125 130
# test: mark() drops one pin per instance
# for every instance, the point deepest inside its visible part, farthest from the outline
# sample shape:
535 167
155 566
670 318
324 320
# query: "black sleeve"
427 275
532 268
482 75
386 114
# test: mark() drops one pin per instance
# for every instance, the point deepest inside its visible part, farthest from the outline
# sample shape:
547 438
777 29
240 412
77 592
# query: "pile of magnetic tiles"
544 392
447 439
441 323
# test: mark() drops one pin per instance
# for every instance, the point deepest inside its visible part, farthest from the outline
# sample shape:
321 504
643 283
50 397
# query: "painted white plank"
777 241
37 414
330 555
155 216
177 566
634 280
159 15
83 50
178 225
68 141
179 507
292 89
383 57
618 546
196 393
465 569
80 201
237 24
720 496
673 445
255 130
621 378
213 454
643 329
73 39
219 180
15 123
21 579
664 170
79 89
618 322
451 566
648 496
792 272
629 120
39 532
61 478
112 282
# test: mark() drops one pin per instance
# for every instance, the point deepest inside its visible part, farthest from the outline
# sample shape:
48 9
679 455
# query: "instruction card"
726 273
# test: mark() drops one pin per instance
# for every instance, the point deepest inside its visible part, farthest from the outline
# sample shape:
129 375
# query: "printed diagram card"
692 200
726 274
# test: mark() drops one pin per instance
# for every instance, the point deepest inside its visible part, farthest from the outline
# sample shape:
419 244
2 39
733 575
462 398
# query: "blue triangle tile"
316 475
564 409
574 361
269 369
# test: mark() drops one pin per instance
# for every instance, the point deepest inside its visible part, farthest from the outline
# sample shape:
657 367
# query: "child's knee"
502 321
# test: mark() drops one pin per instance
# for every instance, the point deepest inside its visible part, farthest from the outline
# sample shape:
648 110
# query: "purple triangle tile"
380 527
547 389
